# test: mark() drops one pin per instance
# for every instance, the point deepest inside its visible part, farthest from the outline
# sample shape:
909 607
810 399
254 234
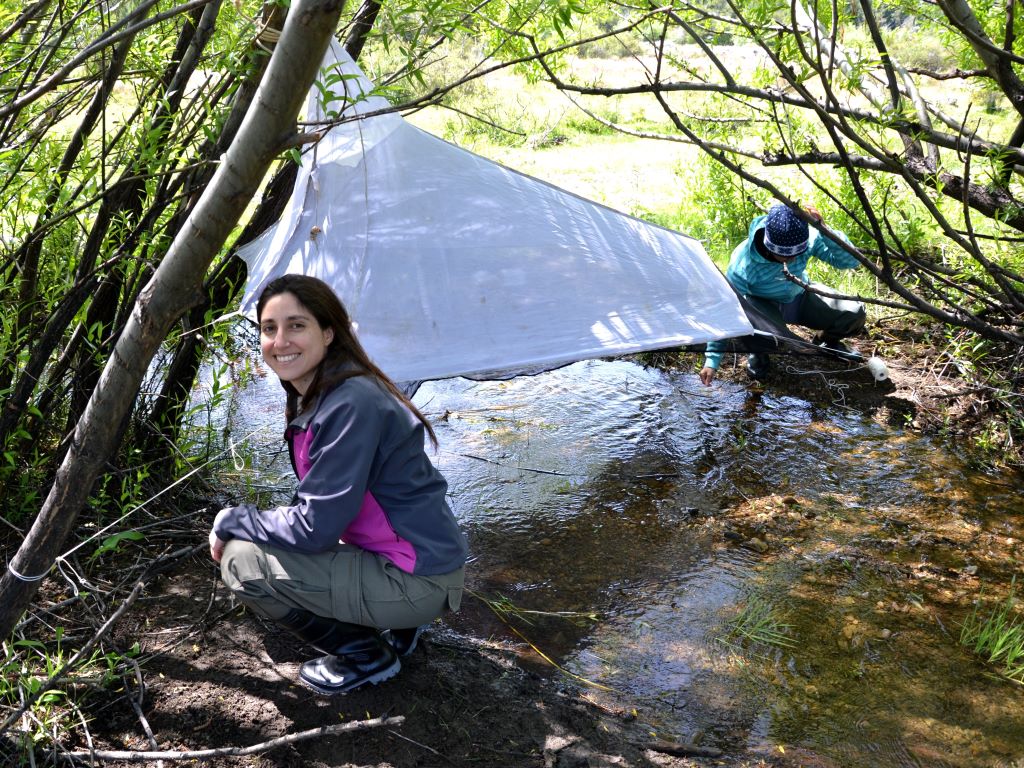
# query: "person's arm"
828 250
712 359
330 495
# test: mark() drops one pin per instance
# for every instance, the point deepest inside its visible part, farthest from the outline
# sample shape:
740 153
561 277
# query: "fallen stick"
205 754
682 750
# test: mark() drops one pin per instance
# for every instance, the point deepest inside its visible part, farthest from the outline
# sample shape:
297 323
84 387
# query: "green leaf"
111 543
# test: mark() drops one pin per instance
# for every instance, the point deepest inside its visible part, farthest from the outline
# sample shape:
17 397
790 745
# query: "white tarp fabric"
451 264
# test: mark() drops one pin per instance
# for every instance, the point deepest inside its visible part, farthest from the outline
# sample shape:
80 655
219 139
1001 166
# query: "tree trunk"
361 26
174 288
165 419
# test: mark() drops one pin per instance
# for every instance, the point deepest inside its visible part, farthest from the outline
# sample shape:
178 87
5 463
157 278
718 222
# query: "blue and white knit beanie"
785 235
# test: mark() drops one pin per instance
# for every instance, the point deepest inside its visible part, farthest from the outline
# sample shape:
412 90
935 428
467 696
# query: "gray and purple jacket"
364 479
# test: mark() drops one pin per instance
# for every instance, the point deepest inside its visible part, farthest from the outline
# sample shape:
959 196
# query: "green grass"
506 610
759 623
49 687
998 638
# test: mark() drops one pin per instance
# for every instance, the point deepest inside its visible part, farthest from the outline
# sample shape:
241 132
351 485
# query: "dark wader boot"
404 640
356 655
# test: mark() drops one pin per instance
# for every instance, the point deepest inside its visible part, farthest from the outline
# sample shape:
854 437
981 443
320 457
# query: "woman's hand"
707 375
217 544
216 547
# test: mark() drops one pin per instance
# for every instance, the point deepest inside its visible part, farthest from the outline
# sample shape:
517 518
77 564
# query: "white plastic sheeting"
451 264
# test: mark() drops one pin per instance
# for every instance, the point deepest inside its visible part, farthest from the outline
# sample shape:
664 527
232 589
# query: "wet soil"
929 386
216 677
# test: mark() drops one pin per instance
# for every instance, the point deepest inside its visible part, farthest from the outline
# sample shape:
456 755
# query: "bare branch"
252 749
998 61
955 74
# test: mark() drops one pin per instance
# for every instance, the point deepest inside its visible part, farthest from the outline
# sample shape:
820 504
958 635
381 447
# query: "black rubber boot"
404 640
758 365
356 655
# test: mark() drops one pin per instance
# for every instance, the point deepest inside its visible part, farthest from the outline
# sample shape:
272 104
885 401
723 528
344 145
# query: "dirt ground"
216 678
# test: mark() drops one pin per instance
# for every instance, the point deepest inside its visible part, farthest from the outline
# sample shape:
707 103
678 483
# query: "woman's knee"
845 318
240 564
244 572
858 318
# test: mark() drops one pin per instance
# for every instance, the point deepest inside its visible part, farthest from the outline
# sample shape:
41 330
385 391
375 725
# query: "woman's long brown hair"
325 306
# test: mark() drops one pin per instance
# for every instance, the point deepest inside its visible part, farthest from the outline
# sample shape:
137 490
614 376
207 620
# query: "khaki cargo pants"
346 583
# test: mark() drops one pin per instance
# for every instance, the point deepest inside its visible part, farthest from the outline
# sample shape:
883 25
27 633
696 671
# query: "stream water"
624 520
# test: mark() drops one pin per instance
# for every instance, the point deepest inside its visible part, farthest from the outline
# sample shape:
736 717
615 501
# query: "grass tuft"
758 622
999 637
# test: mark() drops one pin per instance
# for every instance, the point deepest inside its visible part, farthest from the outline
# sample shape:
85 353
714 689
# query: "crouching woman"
369 551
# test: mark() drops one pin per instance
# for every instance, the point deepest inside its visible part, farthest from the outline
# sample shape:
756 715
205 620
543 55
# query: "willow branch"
75 62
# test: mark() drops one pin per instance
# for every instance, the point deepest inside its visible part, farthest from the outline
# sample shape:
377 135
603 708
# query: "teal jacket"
751 274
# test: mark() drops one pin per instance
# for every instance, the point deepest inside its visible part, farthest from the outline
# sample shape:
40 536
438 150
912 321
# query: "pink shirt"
371 529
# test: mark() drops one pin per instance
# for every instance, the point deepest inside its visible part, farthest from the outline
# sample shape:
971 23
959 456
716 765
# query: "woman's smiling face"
292 341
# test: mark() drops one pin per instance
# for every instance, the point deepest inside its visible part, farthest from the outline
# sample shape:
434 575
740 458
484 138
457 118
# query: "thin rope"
266 37
833 385
26 579
229 316
812 371
64 567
